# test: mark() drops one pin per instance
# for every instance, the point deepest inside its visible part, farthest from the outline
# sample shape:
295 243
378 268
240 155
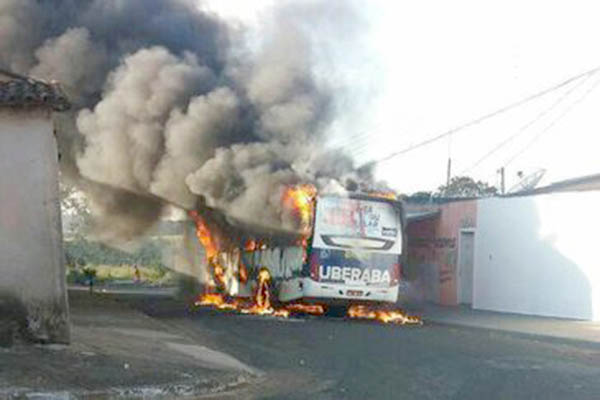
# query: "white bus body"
354 254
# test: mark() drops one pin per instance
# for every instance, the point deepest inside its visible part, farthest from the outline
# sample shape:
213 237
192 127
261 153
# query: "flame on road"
385 316
216 300
261 303
261 306
314 309
262 298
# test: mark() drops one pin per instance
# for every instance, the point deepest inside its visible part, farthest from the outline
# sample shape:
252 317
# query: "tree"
465 186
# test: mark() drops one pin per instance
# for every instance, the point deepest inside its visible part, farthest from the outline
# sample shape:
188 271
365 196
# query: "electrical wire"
349 140
527 125
482 118
553 123
360 147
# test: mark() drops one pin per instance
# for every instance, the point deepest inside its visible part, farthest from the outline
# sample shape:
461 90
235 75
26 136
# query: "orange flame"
385 316
384 195
243 273
218 273
301 199
262 302
314 309
304 244
216 300
204 236
210 247
262 298
250 245
263 294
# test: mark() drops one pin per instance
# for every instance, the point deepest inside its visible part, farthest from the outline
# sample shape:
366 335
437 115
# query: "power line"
553 123
527 125
360 147
356 151
483 118
359 152
351 139
345 141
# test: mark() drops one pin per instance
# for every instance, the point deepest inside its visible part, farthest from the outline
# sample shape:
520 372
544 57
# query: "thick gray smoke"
170 105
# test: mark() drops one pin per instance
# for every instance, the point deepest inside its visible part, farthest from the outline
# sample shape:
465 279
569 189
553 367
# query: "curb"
519 334
202 387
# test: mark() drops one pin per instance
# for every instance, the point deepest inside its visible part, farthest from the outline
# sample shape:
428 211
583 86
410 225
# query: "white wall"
32 275
539 255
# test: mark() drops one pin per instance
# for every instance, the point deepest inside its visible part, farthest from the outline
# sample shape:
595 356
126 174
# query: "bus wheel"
336 311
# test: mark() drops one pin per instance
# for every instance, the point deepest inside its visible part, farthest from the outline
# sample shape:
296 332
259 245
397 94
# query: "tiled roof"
20 92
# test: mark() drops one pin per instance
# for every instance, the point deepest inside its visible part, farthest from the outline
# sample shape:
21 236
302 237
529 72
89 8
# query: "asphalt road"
324 358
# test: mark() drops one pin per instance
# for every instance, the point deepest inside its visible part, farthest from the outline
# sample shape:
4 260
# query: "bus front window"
356 242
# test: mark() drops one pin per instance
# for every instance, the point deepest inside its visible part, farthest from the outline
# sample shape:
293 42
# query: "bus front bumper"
337 293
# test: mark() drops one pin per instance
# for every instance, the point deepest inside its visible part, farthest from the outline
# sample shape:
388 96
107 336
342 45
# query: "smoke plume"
171 104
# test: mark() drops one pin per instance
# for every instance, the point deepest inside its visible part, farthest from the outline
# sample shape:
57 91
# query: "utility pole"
449 172
501 172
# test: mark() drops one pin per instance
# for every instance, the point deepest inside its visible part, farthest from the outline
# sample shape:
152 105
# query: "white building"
33 298
534 253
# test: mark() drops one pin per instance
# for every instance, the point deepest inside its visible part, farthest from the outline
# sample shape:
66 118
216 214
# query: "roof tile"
18 93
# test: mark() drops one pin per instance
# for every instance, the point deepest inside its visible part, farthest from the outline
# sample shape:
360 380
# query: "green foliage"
76 276
127 272
464 186
102 274
80 252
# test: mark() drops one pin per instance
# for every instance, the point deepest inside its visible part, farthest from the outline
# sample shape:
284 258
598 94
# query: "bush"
81 252
111 264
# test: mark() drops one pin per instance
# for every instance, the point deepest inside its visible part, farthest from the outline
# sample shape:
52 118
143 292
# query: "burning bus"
348 252
354 252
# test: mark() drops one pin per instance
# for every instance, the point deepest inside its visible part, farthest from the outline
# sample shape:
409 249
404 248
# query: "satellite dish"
529 182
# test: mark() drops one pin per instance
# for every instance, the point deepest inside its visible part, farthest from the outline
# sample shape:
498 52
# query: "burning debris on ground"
359 312
383 315
260 304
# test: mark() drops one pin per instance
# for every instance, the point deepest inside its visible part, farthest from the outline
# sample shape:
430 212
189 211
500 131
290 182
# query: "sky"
413 70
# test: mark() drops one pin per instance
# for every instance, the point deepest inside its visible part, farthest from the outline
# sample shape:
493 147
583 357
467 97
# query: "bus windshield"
343 222
356 242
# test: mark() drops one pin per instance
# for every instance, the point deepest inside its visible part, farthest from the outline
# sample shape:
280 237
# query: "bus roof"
367 197
235 230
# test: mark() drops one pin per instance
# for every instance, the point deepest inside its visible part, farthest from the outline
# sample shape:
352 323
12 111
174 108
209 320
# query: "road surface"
324 358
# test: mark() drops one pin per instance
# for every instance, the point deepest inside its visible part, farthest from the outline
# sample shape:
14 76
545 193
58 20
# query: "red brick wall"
433 251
